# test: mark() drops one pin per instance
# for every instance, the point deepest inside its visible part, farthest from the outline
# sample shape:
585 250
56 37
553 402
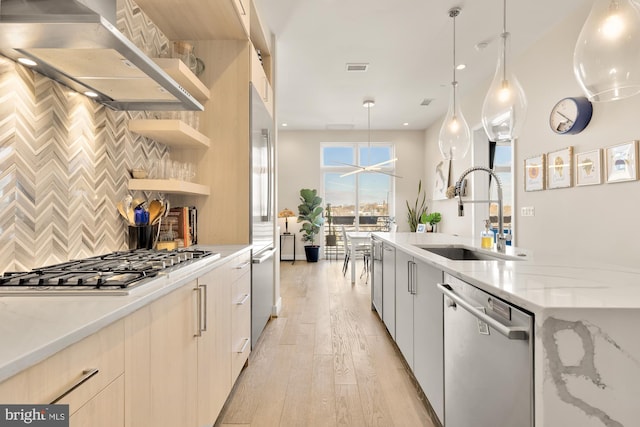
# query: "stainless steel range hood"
77 44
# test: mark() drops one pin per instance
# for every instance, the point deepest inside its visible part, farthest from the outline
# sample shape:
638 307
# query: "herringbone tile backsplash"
64 162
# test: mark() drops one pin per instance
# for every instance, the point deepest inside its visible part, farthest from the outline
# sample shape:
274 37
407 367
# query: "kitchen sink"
458 253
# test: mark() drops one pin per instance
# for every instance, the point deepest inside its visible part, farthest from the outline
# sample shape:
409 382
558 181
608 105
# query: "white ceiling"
408 46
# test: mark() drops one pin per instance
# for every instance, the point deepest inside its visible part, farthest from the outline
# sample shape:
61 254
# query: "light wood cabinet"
173 358
260 81
240 315
99 359
104 410
200 19
214 355
181 361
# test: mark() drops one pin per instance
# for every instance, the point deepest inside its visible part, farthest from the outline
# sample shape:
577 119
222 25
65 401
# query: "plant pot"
332 240
312 253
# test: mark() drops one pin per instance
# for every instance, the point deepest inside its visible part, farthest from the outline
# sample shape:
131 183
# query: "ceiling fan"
368 104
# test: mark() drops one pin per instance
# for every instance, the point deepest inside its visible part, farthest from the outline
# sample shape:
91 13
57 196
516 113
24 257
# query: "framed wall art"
442 180
560 168
622 162
588 168
534 173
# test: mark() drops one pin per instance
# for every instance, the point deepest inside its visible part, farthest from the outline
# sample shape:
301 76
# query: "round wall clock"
570 115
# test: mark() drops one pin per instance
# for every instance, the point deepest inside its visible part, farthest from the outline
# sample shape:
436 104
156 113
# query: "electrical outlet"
527 211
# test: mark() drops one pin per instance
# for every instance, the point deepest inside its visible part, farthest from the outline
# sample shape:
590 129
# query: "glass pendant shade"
505 104
455 137
606 62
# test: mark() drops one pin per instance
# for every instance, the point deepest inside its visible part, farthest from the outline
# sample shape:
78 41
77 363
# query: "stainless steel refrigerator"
262 216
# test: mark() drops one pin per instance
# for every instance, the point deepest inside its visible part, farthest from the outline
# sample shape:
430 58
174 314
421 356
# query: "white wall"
595 223
299 167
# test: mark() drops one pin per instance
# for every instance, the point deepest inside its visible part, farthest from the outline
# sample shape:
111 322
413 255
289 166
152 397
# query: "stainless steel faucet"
501 239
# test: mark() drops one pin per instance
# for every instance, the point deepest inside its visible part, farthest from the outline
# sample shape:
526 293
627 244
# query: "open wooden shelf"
174 133
185 77
171 186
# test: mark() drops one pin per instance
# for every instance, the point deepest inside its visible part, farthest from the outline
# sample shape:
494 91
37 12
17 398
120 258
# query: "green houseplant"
310 215
419 208
432 219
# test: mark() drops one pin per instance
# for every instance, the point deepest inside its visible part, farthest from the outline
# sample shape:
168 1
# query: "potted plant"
310 215
432 220
332 239
419 208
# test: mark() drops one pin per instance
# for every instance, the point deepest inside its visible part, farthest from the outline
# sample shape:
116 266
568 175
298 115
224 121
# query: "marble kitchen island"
586 345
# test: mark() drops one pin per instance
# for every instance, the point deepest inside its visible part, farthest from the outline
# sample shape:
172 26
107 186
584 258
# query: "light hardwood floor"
327 360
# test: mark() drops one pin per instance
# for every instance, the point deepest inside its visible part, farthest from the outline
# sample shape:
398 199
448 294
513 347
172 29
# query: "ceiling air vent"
426 102
357 67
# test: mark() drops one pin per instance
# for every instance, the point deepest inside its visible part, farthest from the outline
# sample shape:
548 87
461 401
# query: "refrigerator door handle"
267 137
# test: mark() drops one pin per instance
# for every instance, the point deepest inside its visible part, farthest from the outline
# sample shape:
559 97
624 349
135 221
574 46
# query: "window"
362 200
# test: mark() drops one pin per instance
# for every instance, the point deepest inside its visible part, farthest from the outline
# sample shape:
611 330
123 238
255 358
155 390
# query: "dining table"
356 239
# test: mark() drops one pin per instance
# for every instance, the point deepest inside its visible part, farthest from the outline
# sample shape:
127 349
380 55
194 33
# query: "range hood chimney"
76 43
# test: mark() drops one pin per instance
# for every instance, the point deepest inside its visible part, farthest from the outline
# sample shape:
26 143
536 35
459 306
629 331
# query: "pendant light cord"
369 134
504 41
453 13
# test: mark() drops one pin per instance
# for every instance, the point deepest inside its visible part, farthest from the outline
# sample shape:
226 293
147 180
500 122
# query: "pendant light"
455 137
505 104
368 104
606 61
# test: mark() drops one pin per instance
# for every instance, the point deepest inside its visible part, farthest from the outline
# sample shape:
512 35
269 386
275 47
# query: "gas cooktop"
116 273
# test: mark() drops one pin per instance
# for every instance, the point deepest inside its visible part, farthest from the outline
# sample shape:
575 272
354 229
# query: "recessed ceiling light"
27 61
405 124
461 67
91 94
284 125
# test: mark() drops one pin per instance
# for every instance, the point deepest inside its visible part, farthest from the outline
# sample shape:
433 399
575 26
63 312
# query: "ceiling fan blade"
347 164
383 163
388 173
352 172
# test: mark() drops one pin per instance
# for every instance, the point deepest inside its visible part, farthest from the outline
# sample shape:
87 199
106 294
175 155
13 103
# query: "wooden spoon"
155 210
123 213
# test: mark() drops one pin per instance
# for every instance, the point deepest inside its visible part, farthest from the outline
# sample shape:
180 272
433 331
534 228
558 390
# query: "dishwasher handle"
511 332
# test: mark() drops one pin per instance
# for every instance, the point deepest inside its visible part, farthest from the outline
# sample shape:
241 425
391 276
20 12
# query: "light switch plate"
527 211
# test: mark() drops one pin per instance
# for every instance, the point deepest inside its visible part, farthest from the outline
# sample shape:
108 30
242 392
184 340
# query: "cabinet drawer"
55 376
240 337
240 266
104 410
240 324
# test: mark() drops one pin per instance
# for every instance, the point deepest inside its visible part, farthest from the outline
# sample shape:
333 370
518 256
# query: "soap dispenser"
487 236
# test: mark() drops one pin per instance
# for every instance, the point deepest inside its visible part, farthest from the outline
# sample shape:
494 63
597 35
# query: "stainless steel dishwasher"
488 359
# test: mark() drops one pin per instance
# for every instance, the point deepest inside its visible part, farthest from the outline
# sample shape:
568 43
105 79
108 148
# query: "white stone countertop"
534 282
33 328
586 346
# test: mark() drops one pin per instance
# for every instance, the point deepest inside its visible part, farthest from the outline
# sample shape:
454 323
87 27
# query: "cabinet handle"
244 346
415 278
86 375
205 309
266 89
409 276
199 291
243 265
246 297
